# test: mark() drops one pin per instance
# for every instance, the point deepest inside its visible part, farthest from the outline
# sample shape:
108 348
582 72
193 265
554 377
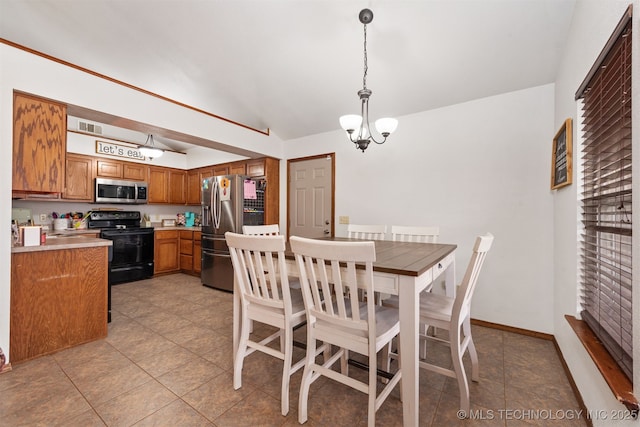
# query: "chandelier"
149 149
357 126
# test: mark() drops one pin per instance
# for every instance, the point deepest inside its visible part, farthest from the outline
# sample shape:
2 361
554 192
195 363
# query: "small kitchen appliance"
189 219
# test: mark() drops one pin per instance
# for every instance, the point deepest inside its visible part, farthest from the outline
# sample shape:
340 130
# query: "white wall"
469 168
593 23
22 71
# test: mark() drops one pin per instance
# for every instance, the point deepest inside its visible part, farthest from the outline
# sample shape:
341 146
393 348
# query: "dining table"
404 269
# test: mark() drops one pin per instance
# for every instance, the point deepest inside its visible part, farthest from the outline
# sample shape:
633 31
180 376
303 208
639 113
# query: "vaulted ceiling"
294 66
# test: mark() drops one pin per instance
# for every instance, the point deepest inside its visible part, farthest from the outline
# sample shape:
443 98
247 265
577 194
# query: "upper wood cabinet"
194 184
238 168
256 167
177 186
109 168
220 170
106 168
134 171
79 178
39 144
158 185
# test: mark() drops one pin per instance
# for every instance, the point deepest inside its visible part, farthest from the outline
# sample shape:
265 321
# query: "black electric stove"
131 253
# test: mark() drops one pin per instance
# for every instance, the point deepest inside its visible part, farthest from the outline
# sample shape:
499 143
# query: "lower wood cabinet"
166 252
190 252
197 252
58 300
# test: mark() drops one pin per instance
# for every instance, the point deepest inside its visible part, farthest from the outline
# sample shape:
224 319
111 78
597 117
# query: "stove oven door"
132 254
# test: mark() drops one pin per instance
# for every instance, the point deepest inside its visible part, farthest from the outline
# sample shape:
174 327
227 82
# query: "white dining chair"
335 316
401 233
454 316
260 271
261 230
366 232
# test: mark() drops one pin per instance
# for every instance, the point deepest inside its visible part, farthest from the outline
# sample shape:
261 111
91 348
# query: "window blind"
606 269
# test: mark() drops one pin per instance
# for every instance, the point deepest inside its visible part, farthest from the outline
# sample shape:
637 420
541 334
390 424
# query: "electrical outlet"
344 220
43 218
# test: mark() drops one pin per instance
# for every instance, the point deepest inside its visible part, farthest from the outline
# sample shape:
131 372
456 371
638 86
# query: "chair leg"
475 369
287 333
242 350
307 377
373 377
458 367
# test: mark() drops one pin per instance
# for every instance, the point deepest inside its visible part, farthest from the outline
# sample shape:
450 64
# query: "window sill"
620 385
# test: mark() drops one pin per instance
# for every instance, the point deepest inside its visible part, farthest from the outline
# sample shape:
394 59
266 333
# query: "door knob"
326 232
326 222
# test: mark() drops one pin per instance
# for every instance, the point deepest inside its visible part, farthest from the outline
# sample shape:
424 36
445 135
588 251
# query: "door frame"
332 156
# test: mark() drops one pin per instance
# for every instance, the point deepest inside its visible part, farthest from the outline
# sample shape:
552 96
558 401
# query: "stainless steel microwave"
119 191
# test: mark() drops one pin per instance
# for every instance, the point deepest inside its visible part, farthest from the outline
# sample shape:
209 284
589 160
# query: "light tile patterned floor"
167 362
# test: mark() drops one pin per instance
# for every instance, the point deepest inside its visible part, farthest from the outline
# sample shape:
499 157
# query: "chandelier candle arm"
357 126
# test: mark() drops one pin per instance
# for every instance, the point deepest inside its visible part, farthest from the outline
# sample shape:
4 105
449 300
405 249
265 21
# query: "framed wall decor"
562 157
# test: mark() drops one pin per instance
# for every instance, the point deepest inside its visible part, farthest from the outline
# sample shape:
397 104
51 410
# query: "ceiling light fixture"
357 126
149 149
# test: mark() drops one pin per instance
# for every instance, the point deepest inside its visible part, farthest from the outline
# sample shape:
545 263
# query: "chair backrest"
368 232
330 285
260 269
401 233
261 230
462 304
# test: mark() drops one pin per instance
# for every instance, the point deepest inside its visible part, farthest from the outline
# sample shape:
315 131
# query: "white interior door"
311 197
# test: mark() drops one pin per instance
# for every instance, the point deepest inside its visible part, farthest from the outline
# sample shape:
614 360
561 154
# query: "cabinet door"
197 252
166 252
238 168
221 170
177 187
79 178
186 251
158 185
193 187
255 167
109 169
134 171
39 144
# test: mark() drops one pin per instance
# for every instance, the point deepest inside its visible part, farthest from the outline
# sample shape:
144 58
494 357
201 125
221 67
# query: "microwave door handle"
135 193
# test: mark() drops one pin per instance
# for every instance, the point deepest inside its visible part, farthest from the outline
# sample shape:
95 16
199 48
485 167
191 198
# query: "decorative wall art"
562 156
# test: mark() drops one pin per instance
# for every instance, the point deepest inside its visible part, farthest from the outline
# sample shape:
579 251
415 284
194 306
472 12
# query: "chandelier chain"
366 66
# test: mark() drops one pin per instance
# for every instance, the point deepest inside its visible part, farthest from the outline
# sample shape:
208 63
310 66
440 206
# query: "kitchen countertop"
54 243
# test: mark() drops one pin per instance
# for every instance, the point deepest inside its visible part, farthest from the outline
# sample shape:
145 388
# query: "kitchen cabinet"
39 145
272 192
186 251
158 185
109 169
167 185
134 171
238 168
256 167
79 178
58 300
177 187
166 251
220 170
197 252
194 184
115 169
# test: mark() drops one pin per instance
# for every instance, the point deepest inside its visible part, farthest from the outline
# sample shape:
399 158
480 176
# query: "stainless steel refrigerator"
228 203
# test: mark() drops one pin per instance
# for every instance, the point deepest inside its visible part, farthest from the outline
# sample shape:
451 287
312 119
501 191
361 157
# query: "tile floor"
167 362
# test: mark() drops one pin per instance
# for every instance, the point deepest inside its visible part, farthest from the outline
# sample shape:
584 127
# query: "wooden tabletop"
405 258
